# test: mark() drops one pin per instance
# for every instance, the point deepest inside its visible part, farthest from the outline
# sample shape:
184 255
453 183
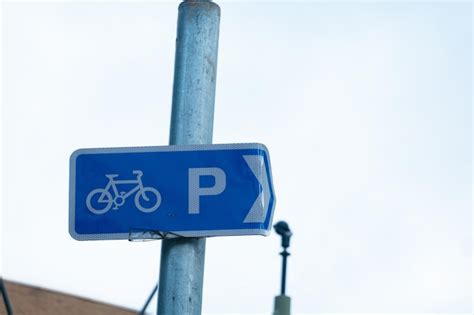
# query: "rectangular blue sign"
169 191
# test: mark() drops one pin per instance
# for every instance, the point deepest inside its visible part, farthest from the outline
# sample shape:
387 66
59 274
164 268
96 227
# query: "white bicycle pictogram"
102 196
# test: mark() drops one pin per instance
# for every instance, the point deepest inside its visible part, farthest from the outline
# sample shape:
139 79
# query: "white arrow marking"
258 212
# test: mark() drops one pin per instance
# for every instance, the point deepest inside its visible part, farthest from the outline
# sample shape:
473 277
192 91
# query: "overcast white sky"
366 109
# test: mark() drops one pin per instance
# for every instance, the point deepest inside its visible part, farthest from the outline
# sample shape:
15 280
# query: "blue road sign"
168 191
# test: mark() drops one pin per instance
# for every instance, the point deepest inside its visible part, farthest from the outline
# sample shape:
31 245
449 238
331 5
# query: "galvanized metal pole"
182 259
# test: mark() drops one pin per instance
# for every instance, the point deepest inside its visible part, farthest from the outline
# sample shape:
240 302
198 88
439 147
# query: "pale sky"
366 109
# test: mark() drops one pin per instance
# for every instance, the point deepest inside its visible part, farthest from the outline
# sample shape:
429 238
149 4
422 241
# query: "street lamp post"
283 302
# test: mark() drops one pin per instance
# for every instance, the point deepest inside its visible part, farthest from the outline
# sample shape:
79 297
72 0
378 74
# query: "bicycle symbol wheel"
143 198
99 197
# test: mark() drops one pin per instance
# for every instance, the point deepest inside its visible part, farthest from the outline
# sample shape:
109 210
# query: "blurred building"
27 299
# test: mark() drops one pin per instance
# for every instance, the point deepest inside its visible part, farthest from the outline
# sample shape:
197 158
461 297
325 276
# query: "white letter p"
195 191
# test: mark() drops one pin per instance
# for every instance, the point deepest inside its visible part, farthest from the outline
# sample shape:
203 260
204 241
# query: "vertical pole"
282 304
284 254
182 259
6 300
150 297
